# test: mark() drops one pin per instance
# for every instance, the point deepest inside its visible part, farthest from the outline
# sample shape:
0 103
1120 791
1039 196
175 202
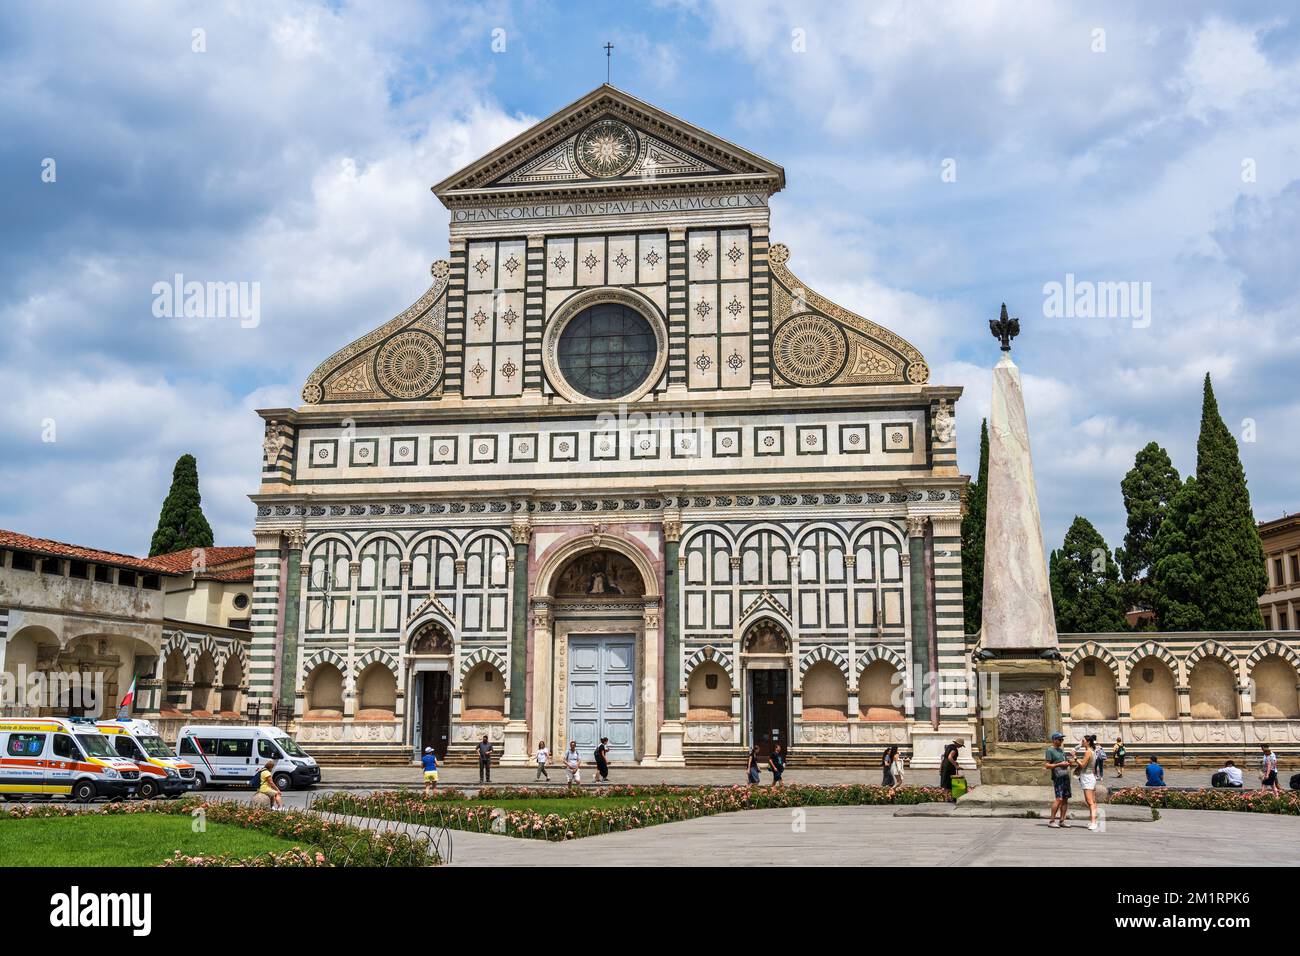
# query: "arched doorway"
599 622
429 664
765 656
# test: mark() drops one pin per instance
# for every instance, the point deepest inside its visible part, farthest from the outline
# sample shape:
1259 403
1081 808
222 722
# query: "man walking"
1268 771
1059 763
572 764
485 760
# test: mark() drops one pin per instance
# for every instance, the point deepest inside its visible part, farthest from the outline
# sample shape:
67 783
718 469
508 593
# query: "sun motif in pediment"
607 148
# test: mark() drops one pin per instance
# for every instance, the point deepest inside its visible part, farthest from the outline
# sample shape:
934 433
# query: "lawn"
142 839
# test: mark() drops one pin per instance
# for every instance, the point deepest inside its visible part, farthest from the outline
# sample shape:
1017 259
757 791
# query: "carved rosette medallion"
809 350
409 365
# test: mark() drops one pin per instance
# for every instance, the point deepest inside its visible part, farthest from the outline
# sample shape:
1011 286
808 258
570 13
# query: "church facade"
618 473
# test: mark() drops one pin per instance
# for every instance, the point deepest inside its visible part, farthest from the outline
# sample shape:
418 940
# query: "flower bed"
339 843
655 805
1240 801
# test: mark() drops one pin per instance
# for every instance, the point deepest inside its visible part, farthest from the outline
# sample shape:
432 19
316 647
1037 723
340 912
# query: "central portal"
602 695
770 696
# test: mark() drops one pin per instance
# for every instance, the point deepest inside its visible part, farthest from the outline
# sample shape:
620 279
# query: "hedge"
1239 801
655 805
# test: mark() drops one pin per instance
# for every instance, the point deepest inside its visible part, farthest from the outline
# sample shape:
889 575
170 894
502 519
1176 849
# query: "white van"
57 756
235 755
162 773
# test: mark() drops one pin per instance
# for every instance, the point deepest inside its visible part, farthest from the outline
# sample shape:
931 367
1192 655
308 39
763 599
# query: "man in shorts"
1058 763
1268 771
430 763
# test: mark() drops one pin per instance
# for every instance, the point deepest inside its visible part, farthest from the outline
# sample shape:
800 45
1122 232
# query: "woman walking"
1087 771
887 762
751 772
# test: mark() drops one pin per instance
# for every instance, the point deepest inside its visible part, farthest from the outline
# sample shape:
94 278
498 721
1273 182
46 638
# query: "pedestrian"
1058 762
776 763
887 762
1100 751
751 772
897 768
542 757
1268 771
485 760
950 768
266 785
1086 769
1155 773
602 760
430 763
572 765
1120 753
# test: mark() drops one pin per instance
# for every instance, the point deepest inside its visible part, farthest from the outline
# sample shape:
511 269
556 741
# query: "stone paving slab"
873 836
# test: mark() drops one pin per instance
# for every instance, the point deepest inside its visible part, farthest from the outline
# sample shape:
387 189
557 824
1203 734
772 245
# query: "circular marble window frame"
579 303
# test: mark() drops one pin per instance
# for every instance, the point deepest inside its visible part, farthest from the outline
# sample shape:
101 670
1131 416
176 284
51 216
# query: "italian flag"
124 708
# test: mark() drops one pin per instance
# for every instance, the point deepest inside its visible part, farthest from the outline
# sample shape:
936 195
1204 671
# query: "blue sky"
297 150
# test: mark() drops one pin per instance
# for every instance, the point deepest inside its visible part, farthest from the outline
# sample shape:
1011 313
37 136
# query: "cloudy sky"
941 159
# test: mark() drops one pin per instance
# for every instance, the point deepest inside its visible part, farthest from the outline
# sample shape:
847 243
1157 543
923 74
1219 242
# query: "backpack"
256 782
1295 781
1220 779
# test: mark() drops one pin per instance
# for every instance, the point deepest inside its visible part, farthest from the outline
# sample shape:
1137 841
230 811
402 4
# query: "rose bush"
1239 801
654 805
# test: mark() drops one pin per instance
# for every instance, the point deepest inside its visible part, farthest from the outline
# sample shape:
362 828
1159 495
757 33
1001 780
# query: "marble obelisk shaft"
1018 613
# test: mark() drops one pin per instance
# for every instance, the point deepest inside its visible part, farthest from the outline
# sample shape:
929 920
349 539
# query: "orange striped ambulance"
60 756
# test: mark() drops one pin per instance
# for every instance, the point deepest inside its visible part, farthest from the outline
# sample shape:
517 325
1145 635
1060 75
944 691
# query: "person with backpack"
602 761
266 785
430 763
1120 753
751 771
776 763
950 767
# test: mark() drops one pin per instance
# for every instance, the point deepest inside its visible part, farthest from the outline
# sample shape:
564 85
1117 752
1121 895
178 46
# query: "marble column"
515 748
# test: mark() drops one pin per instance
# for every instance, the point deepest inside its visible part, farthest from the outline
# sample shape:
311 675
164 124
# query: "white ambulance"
162 773
58 756
224 754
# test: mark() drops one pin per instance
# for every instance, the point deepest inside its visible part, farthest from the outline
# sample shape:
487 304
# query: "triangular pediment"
610 139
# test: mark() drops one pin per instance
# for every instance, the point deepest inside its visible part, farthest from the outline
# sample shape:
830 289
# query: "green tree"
1176 583
1148 488
1229 556
972 538
1085 583
181 523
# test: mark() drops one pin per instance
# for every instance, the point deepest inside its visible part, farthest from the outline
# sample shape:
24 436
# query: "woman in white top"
543 755
1087 770
572 763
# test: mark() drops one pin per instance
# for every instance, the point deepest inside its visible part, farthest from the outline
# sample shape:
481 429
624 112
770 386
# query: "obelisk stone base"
1020 708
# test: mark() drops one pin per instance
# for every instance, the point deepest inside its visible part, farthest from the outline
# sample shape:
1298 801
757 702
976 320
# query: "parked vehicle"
226 755
162 773
61 756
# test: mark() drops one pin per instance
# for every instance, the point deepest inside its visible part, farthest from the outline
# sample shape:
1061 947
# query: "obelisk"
1018 662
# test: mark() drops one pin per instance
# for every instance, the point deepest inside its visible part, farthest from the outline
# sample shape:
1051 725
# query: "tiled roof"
234 575
181 562
22 542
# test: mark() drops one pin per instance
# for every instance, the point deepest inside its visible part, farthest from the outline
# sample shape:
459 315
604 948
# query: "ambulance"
60 756
162 773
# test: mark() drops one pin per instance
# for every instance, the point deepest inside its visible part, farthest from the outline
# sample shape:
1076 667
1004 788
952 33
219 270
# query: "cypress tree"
1085 583
181 523
1228 554
1176 583
972 538
1148 488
